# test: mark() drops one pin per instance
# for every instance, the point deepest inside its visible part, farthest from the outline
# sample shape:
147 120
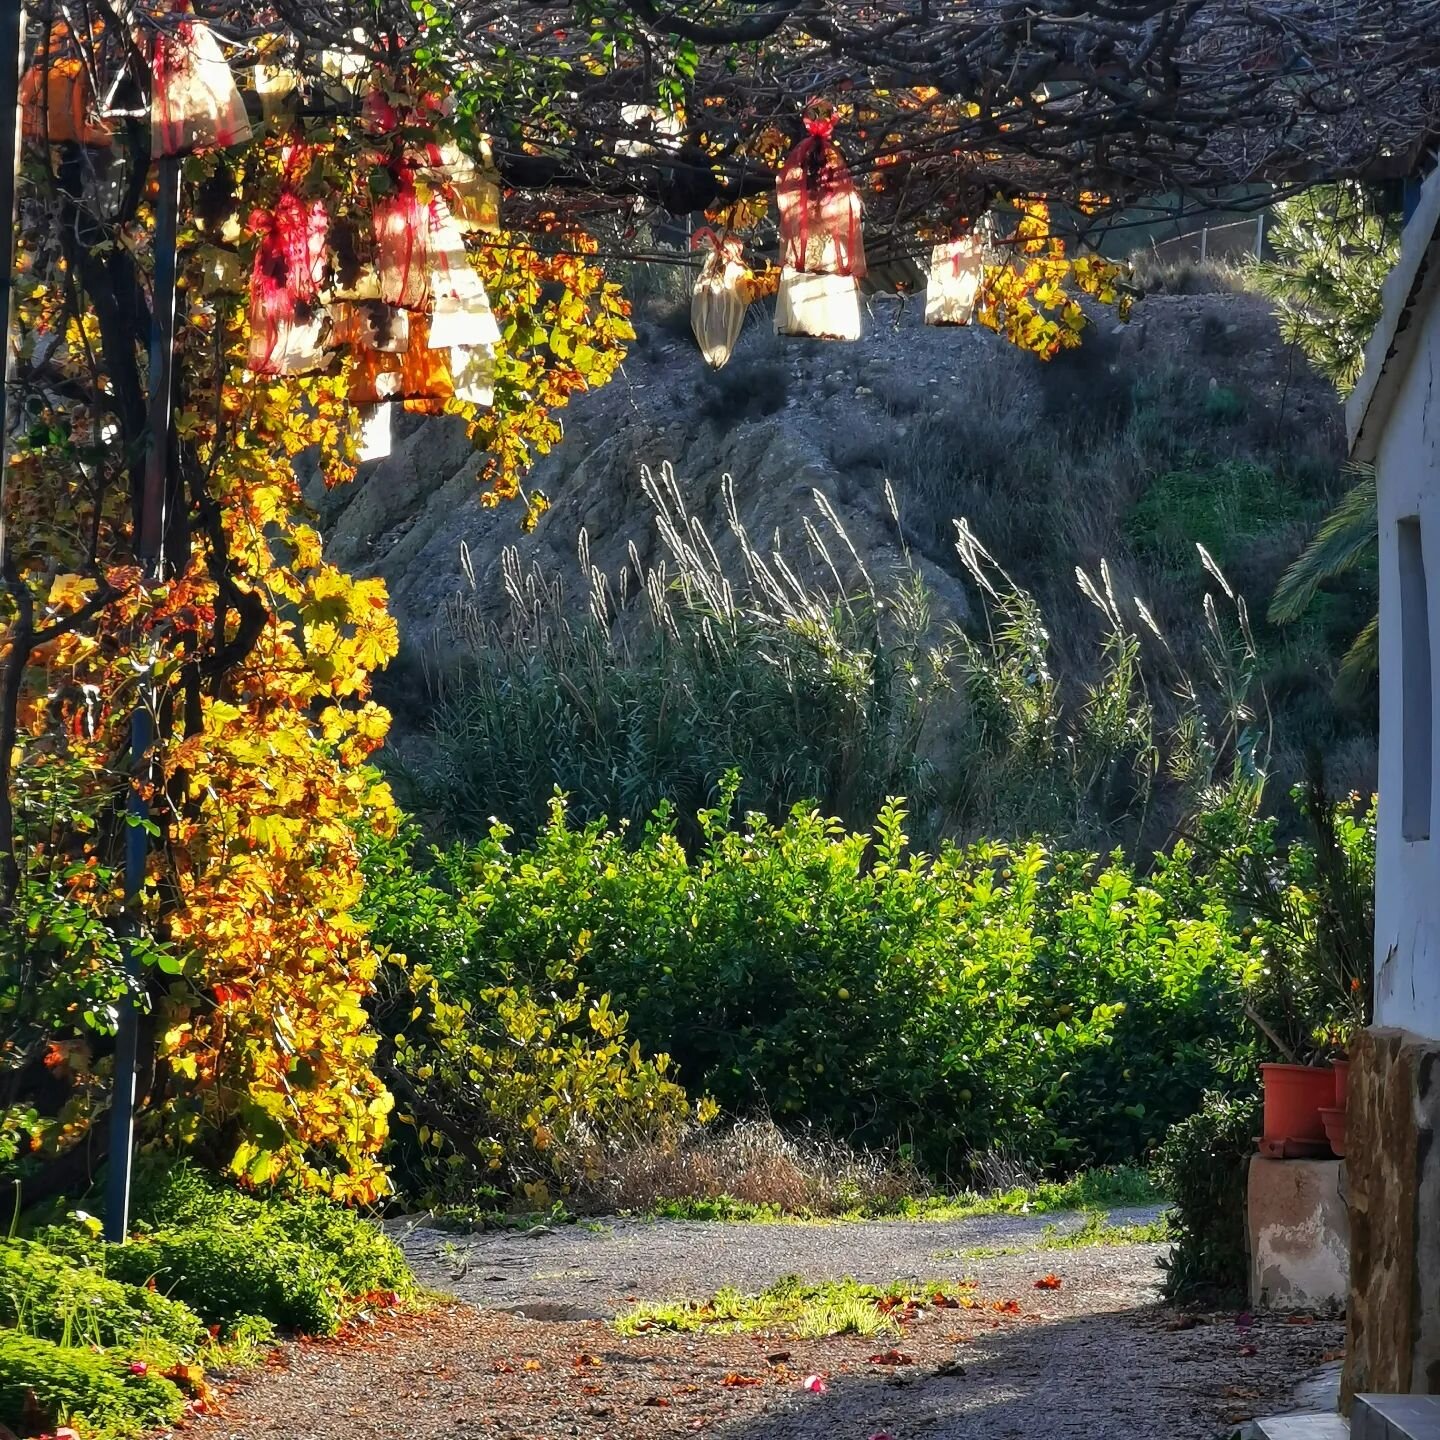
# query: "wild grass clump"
754 1169
816 681
802 672
1154 273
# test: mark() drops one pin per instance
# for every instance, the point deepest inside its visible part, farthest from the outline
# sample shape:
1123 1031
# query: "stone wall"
1393 1164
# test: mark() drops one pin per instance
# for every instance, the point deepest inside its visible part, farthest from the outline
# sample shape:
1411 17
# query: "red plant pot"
1342 1083
1333 1118
1294 1095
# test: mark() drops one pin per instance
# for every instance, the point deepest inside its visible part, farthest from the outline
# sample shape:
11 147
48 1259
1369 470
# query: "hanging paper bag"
649 131
286 317
401 227
294 345
195 103
352 252
957 271
57 104
344 70
819 208
369 325
472 186
461 313
276 85
824 306
473 369
717 308
421 376
464 322
373 440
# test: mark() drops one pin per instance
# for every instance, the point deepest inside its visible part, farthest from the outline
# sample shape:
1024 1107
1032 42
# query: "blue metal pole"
137 843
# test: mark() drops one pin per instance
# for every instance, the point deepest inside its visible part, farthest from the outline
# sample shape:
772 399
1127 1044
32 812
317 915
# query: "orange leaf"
891 1357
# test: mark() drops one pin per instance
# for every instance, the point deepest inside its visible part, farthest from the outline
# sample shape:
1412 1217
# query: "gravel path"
581 1272
1097 1358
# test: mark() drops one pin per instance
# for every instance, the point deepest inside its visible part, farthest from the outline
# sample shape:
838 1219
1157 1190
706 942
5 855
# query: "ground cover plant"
119 1338
793 1306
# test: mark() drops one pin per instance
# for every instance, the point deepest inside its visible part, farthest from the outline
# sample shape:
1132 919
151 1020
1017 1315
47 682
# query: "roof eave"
1387 357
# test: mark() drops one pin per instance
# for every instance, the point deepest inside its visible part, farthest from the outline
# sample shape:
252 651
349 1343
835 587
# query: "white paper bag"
957 270
825 306
196 103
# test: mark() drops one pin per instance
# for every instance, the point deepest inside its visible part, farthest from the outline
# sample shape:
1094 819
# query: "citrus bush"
990 996
520 1076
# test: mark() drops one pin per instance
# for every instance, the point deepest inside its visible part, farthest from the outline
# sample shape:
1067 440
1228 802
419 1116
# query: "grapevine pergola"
151 474
946 101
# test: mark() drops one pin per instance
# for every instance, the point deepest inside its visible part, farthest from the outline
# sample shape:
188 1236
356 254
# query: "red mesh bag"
290 264
402 252
819 208
195 103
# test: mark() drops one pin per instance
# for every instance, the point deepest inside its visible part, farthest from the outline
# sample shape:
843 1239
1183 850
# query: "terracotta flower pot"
1333 1118
1294 1095
1342 1083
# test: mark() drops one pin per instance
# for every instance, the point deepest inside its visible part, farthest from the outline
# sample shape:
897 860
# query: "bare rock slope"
955 418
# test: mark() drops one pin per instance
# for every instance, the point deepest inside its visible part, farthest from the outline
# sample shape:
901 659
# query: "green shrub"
65 1381
224 1275
73 1302
983 997
351 1252
525 1086
1202 1166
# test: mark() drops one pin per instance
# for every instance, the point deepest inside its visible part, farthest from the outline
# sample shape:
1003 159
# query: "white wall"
1407 890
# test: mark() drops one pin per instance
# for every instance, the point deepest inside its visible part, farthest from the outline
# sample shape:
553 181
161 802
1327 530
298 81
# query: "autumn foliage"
247 657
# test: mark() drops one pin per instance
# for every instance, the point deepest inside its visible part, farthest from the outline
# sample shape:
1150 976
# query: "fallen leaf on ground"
943 1302
587 1362
891 1357
532 1364
1248 1350
658 1402
1300 1320
1049 1282
1006 1307
735 1380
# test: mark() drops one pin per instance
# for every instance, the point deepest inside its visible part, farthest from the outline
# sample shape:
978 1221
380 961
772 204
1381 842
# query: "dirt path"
1096 1359
584 1272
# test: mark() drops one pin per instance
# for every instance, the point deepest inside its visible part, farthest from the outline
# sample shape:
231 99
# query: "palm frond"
1360 665
1347 536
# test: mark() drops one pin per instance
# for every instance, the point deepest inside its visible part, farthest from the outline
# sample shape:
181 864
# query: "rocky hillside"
1193 422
